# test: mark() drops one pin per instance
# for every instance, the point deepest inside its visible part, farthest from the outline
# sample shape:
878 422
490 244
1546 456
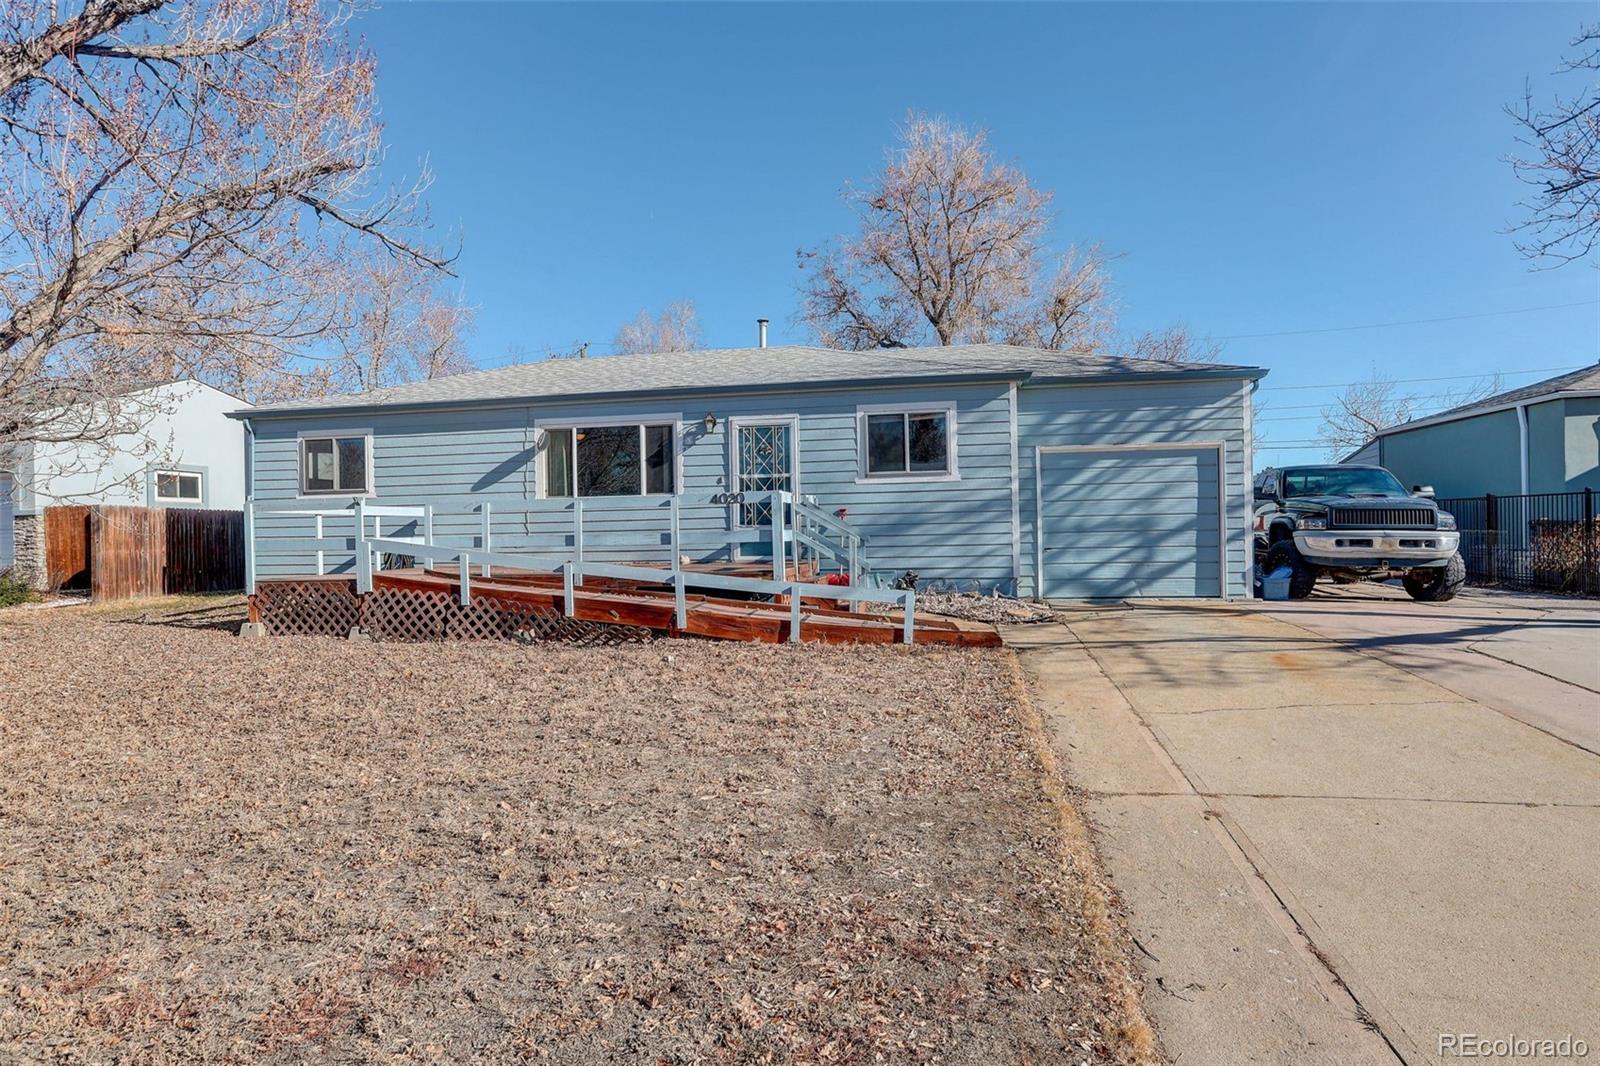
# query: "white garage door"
8 550
1130 522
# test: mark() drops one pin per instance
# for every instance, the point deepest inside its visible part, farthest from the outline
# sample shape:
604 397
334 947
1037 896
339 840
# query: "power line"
1446 377
1274 408
1293 445
1406 322
1272 443
519 354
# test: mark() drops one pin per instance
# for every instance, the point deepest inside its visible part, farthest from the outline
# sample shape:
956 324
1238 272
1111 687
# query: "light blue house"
1540 438
1036 472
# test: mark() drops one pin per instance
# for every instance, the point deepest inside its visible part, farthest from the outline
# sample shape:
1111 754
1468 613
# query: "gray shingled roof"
1583 379
725 369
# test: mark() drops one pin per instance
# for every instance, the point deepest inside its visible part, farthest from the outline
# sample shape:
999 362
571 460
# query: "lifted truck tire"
1302 575
1438 583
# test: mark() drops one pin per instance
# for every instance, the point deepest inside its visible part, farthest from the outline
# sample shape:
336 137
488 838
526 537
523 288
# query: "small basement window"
178 486
616 460
909 443
335 465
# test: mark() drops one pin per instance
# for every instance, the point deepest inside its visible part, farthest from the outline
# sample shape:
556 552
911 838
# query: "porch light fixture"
710 422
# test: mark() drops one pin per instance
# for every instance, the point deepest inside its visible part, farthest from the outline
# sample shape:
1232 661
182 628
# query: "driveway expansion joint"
1396 901
1274 899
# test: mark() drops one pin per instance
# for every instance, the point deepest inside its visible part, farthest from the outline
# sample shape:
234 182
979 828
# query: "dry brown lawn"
305 849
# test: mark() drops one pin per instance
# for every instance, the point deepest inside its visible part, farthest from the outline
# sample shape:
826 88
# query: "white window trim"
332 434
948 409
160 472
675 420
734 423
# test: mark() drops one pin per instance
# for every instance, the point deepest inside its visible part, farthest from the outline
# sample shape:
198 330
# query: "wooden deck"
622 602
614 601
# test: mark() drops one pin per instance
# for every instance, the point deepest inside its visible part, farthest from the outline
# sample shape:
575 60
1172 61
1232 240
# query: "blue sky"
1263 169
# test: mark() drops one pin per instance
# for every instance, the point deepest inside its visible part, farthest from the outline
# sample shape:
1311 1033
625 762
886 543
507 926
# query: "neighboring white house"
186 453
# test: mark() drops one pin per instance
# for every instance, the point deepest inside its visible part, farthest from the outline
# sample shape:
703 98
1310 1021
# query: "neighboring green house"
1540 438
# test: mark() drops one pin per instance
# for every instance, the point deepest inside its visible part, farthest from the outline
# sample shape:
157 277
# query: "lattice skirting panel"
307 608
412 615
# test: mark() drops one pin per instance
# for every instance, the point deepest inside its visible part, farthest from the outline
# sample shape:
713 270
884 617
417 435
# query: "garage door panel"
1130 523
1165 551
1174 497
1158 467
1174 576
1069 537
1133 588
1139 514
1112 482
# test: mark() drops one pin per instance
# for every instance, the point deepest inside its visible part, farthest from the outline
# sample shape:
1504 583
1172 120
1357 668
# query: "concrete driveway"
1337 837
1536 658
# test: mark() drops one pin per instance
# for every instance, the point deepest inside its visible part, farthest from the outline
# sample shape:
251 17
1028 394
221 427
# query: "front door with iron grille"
763 463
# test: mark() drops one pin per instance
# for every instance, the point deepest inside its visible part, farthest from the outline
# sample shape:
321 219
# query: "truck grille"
1380 518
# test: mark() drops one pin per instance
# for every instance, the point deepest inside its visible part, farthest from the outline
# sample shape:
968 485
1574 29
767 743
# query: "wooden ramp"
616 601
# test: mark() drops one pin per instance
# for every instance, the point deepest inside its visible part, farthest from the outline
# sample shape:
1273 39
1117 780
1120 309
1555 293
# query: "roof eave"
886 381
1235 373
1441 419
631 394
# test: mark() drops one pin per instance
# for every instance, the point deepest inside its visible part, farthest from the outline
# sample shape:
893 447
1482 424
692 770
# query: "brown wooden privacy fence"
122 552
205 550
66 547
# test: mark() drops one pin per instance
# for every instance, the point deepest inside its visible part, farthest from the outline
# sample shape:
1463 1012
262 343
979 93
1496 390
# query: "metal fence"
1546 542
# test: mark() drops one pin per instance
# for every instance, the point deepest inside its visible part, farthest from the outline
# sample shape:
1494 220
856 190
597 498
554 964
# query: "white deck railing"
808 530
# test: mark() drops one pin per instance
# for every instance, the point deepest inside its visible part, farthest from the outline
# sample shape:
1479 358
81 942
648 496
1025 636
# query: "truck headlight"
1311 522
1447 520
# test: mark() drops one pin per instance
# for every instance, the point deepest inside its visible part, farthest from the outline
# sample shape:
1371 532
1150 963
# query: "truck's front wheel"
1302 575
1436 584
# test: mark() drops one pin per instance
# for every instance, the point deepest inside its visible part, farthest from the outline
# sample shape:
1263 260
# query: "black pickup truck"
1355 523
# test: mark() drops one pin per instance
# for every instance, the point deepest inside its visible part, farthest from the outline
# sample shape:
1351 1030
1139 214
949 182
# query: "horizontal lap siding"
946 531
957 531
1156 413
452 460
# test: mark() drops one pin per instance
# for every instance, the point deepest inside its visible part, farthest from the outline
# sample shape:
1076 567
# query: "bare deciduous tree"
1562 162
1175 344
396 324
1365 408
676 329
181 185
950 250
1361 411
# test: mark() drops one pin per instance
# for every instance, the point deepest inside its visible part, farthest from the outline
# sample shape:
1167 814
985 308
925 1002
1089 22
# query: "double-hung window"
907 442
627 459
336 465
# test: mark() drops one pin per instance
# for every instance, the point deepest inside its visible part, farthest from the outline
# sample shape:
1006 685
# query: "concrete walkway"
1325 857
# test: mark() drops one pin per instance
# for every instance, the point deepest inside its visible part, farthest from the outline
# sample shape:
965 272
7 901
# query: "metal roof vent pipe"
761 332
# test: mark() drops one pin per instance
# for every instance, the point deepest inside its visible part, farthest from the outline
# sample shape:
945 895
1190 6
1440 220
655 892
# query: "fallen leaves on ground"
309 849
